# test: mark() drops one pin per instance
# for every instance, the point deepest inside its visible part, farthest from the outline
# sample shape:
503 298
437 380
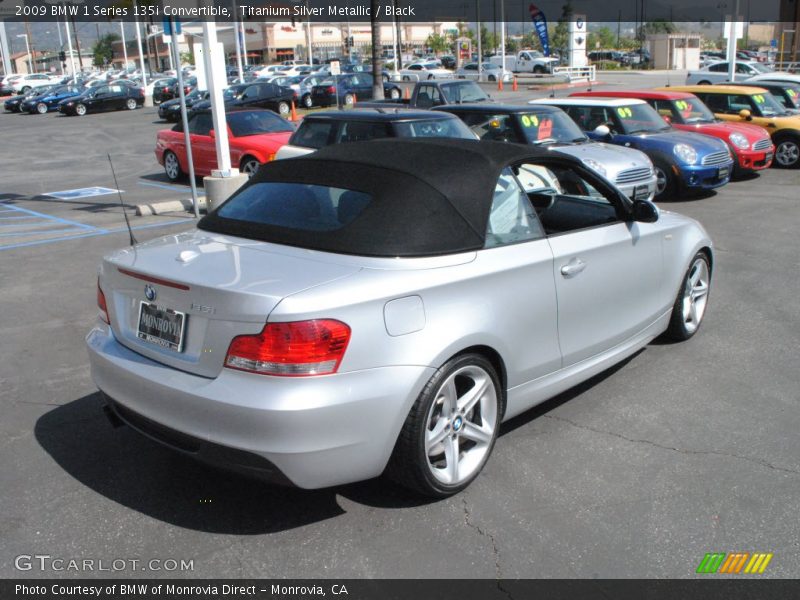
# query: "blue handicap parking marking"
79 193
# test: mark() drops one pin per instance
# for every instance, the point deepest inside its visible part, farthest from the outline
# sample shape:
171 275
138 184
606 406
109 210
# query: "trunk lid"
224 286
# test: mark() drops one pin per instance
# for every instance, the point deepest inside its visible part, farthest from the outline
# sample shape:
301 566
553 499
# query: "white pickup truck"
526 61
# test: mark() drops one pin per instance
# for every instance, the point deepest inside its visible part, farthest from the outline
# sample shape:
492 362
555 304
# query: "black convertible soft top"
429 197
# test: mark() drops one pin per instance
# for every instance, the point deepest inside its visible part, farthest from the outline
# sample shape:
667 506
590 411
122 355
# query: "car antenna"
121 203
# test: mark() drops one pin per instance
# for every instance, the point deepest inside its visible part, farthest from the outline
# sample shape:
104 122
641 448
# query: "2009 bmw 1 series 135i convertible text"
383 306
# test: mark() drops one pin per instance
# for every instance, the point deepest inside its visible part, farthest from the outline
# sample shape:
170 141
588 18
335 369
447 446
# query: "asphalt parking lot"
681 450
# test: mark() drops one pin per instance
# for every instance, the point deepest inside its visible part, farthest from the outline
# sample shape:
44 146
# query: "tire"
450 420
703 82
25 90
284 109
41 108
406 78
430 77
130 104
394 93
307 101
80 109
492 78
692 300
348 99
172 166
666 183
538 69
787 152
249 166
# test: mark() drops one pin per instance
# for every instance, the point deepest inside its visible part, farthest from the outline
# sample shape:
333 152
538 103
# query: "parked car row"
77 99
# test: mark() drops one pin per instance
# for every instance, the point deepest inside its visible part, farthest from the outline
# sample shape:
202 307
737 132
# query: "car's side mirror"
745 115
644 211
602 131
211 134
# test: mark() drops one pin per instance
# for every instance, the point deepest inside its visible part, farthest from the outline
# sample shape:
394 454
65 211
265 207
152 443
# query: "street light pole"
124 45
28 50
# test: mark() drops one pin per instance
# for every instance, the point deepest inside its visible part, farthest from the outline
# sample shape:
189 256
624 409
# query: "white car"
28 82
421 72
271 70
489 72
718 72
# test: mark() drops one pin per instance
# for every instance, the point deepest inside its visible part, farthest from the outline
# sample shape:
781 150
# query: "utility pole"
32 48
77 42
124 44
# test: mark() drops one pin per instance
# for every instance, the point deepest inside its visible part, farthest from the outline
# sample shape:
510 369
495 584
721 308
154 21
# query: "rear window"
312 134
298 206
257 122
432 128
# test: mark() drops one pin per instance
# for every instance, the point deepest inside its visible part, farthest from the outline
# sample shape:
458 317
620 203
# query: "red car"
750 144
254 136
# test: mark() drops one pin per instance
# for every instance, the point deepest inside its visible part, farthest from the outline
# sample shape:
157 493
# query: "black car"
113 96
229 96
448 62
321 129
262 94
170 110
162 90
14 104
189 85
349 88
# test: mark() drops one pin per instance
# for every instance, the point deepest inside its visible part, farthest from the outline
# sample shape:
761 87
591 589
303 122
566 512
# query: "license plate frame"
152 334
641 192
723 172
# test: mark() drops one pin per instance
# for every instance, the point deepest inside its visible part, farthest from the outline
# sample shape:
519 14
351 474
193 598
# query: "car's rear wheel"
41 108
130 104
665 180
249 166
307 101
492 78
80 109
451 429
787 152
394 93
25 90
690 305
172 167
349 99
704 82
284 109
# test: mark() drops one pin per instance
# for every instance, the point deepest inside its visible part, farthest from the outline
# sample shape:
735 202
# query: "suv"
628 169
322 129
683 161
743 104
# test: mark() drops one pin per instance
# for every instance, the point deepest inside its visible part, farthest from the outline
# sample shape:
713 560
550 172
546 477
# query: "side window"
312 134
743 68
250 93
360 131
512 218
719 68
499 128
565 199
201 124
740 102
425 96
664 108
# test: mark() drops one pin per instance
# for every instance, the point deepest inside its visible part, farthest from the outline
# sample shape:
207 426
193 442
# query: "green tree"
512 45
437 43
103 49
657 26
602 38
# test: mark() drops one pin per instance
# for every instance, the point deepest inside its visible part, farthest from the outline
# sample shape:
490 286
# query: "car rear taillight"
292 349
331 90
101 304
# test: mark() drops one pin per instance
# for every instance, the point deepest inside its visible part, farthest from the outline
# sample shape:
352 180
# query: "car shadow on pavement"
136 472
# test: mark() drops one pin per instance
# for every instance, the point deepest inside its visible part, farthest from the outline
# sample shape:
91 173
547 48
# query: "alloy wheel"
695 295
787 153
80 110
131 104
171 166
460 425
661 181
41 108
250 167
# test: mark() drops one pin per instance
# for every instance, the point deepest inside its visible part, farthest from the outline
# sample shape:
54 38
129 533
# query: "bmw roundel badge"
150 292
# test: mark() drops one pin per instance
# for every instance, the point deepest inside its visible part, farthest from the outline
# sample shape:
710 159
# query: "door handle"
573 267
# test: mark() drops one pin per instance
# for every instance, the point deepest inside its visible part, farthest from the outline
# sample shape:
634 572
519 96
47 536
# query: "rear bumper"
315 431
698 177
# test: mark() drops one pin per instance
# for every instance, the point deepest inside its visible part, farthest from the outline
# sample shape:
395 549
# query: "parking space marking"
96 233
50 217
172 187
86 192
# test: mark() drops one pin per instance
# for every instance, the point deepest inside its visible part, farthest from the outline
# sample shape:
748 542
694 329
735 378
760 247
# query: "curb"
564 86
158 208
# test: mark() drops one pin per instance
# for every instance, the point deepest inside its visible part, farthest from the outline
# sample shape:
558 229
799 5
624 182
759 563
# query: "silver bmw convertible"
382 307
